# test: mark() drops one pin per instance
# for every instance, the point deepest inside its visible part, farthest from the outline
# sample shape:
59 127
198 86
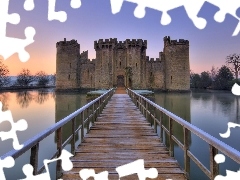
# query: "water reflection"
177 103
219 102
42 96
4 98
67 103
24 98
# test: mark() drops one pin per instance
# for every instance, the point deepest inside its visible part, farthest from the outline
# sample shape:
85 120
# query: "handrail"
215 144
97 106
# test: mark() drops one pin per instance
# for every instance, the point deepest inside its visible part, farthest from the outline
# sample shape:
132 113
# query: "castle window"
88 73
70 65
120 64
171 79
69 77
136 64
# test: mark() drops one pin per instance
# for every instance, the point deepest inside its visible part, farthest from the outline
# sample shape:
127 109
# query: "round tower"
67 64
176 60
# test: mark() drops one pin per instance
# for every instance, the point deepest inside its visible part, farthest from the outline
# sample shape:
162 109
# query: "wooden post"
154 120
93 114
161 129
214 167
59 148
74 136
34 158
171 144
145 106
186 157
82 130
88 121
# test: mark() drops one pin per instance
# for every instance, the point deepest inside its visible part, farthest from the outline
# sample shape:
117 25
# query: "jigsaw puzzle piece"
140 12
192 8
227 7
6 18
53 15
66 166
230 125
229 175
20 125
13 45
76 4
87 173
28 171
116 5
137 167
29 5
8 162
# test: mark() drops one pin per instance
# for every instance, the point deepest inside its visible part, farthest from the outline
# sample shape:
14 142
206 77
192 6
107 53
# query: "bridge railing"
88 112
215 145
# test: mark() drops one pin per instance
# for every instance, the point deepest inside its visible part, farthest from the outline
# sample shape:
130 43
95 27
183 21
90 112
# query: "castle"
124 63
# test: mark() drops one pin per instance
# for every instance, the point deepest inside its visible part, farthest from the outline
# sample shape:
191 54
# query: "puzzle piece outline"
7 162
66 166
192 9
20 125
10 45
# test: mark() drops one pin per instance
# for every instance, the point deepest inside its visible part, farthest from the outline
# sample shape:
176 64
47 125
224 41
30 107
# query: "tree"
234 61
42 78
4 72
206 80
213 73
195 80
24 78
53 79
223 80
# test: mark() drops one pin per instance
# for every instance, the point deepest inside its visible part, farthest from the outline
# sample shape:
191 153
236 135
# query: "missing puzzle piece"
20 125
66 166
8 162
138 168
8 45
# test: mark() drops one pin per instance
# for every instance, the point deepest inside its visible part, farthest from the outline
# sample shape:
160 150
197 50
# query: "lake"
208 110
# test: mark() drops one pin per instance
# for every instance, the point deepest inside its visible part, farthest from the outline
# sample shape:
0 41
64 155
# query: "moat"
209 111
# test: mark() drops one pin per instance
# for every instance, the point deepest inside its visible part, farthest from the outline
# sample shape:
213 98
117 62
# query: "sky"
94 20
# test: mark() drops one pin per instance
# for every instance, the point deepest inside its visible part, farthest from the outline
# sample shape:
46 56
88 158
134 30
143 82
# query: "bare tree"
42 78
24 78
4 72
234 61
213 72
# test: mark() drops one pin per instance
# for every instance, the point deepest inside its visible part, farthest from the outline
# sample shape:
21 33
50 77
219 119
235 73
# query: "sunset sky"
94 20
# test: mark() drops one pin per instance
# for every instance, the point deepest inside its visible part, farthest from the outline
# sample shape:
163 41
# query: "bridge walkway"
120 136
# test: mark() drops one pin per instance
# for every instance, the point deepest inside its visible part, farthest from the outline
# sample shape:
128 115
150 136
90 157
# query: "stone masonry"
123 63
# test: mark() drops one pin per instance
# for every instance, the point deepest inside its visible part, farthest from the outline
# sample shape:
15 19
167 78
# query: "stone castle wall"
67 64
177 67
123 61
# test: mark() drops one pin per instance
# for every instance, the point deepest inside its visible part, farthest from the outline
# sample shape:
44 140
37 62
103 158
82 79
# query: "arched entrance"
120 81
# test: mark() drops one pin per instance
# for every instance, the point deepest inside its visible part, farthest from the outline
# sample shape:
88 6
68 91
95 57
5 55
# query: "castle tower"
67 64
104 62
136 60
176 60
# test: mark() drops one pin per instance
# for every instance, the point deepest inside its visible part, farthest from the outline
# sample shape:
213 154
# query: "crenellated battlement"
170 71
167 41
87 61
136 42
112 42
64 43
84 55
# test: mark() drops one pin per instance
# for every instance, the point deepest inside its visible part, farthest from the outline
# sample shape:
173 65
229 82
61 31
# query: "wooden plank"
120 136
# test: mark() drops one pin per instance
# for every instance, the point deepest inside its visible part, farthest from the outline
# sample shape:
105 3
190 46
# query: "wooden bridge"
121 134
